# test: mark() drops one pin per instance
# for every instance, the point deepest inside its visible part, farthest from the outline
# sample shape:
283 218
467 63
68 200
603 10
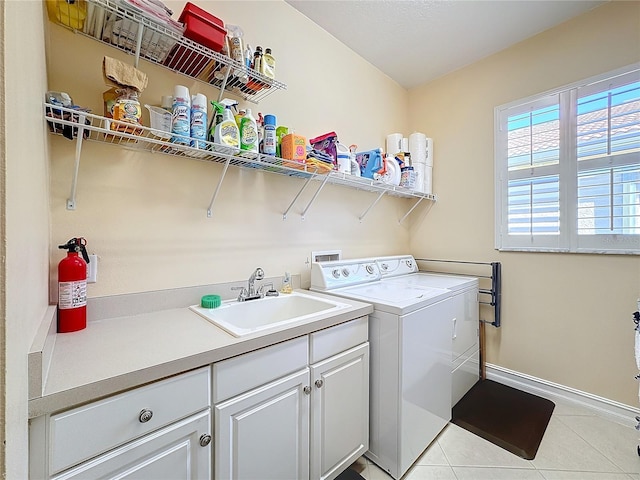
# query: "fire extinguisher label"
72 294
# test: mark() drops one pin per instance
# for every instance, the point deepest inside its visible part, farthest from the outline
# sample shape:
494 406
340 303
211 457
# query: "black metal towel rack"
496 285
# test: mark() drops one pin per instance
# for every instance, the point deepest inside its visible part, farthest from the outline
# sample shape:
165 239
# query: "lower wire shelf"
80 125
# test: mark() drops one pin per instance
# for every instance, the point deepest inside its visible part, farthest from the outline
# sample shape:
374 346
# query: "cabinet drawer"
250 370
81 433
333 340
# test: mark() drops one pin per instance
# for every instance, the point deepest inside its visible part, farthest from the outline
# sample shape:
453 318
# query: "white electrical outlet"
92 269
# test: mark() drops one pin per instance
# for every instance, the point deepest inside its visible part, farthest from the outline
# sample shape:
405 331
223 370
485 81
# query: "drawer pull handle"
319 383
205 440
307 390
145 416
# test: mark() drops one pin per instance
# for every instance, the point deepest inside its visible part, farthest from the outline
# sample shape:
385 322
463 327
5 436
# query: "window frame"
568 167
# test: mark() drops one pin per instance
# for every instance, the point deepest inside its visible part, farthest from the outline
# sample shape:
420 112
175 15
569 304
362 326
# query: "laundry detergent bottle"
248 132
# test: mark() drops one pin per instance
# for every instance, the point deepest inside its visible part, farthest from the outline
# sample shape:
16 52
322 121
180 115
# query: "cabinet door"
339 412
264 434
177 452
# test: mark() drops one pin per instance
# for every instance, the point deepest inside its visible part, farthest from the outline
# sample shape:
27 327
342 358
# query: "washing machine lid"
434 280
392 297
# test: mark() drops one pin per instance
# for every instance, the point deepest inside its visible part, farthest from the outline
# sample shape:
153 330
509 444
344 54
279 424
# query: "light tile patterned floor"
577 445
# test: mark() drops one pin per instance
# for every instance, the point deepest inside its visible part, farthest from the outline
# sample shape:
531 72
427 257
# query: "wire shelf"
117 24
81 125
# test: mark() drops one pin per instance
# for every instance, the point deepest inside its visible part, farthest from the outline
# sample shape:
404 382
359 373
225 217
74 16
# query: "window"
568 168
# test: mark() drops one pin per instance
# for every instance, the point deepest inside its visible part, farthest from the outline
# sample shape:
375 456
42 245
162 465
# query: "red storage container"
202 27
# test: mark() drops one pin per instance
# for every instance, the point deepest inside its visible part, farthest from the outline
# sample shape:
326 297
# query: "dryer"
403 270
410 358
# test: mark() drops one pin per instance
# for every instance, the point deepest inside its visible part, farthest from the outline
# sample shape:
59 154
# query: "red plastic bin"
202 27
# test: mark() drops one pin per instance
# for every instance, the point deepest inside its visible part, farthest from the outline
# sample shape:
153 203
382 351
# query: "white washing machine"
465 327
410 358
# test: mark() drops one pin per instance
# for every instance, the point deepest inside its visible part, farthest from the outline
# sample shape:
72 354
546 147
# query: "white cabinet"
264 434
161 427
179 451
290 418
339 412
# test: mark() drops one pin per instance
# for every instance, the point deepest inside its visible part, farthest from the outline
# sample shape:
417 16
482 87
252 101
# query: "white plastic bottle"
181 115
248 132
226 132
198 121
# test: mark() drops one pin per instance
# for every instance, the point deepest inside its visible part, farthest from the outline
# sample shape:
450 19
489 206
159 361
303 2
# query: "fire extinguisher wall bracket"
72 287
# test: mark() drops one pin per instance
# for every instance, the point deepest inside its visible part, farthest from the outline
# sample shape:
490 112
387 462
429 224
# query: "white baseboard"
619 412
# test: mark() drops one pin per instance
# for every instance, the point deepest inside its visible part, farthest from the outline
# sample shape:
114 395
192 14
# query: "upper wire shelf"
79 125
117 24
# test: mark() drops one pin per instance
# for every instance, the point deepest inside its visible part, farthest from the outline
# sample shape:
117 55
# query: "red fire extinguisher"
72 287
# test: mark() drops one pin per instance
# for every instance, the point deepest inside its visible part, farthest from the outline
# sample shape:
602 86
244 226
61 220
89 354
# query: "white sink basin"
244 318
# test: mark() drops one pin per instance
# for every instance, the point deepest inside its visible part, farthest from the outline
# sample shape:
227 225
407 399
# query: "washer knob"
370 269
409 264
336 273
384 266
345 272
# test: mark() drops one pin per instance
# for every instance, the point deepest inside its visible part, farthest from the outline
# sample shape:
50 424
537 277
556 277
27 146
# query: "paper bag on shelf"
119 74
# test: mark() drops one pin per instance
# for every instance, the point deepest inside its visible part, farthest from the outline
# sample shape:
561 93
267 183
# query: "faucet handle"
272 292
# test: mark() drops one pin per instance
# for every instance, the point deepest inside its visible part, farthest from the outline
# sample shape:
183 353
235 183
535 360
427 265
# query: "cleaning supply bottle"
199 121
257 59
269 142
281 131
181 116
218 114
268 64
248 132
226 132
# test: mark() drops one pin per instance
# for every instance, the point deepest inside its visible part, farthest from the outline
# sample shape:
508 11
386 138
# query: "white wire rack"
119 25
79 126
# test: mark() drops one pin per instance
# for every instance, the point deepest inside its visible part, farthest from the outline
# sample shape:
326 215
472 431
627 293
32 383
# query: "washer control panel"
397 265
343 273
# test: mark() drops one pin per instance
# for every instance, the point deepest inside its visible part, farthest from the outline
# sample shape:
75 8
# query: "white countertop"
119 353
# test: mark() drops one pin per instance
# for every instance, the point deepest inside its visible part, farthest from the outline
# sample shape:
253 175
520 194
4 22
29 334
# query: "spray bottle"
218 111
226 132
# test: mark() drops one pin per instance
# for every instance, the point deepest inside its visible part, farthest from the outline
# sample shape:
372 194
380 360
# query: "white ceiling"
415 41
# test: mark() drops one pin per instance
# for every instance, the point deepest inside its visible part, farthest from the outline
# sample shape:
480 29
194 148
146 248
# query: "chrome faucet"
250 293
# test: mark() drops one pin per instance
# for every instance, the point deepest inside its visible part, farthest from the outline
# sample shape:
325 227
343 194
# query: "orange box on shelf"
293 147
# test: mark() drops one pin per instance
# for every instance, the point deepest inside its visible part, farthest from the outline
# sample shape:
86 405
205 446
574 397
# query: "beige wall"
145 214
566 317
25 218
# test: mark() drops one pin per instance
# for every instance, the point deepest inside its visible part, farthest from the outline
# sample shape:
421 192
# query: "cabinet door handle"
319 383
307 390
145 416
205 439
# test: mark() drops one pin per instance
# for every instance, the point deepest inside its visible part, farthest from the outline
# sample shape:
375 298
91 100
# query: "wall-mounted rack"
81 126
117 23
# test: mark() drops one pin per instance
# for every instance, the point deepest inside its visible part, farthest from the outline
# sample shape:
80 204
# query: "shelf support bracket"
411 210
215 194
138 45
224 84
364 214
295 199
71 201
304 212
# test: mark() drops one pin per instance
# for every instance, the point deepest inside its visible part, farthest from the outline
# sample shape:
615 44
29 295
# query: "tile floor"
577 445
